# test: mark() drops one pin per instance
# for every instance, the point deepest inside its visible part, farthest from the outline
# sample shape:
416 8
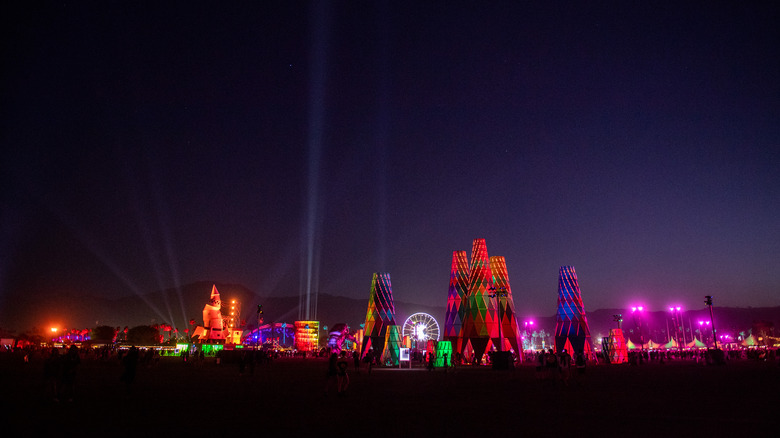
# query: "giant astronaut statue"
212 318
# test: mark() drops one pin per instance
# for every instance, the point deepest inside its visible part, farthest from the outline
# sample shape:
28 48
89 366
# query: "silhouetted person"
343 378
52 372
70 363
369 359
130 365
331 377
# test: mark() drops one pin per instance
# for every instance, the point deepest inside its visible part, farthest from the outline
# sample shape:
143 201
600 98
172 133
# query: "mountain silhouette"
177 306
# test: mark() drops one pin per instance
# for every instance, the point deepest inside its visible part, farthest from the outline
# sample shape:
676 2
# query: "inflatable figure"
337 335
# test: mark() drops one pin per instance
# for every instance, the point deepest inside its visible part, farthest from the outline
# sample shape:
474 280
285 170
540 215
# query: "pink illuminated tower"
478 321
457 300
510 331
571 328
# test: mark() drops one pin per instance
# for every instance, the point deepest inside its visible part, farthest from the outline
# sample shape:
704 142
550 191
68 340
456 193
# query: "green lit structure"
443 354
393 342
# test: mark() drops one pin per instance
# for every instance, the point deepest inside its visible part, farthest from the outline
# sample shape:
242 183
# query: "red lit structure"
457 300
480 300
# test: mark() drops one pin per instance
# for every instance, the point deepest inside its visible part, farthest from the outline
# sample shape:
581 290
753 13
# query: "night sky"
295 147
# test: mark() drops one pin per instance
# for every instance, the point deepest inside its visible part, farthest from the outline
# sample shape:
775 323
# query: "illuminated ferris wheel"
421 328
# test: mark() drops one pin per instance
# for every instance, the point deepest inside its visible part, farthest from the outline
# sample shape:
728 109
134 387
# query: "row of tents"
750 341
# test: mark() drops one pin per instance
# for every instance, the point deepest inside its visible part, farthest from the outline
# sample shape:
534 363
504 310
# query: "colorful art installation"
571 326
478 321
307 335
506 316
337 335
615 348
380 314
393 342
457 300
212 328
486 305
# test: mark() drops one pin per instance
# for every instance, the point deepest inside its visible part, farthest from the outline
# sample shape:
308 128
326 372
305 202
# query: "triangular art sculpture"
509 328
380 314
457 298
571 323
486 284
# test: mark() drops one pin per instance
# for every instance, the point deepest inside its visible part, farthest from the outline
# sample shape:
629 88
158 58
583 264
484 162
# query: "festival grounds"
286 398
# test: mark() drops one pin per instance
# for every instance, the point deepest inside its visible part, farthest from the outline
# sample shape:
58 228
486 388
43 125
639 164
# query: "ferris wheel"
421 328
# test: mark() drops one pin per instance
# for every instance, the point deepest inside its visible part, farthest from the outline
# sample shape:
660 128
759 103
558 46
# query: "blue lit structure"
571 328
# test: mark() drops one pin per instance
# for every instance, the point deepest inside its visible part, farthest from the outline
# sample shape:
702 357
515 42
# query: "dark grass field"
286 397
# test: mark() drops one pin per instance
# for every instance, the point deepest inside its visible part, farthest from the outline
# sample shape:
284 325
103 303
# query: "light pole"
708 302
528 333
637 310
676 317
499 293
618 318
701 330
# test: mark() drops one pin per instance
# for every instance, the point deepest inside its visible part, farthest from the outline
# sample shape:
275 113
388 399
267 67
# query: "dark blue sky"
147 146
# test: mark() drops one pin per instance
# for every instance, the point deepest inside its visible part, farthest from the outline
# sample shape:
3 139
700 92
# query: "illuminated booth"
307 335
443 354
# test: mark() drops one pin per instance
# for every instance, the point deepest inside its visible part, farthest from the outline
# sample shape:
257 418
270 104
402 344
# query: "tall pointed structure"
506 317
380 314
457 298
479 320
571 324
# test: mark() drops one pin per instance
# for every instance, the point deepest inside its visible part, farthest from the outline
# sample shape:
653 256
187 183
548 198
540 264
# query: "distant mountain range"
177 307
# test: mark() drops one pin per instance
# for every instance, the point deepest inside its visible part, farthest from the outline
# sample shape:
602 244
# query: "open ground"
287 396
